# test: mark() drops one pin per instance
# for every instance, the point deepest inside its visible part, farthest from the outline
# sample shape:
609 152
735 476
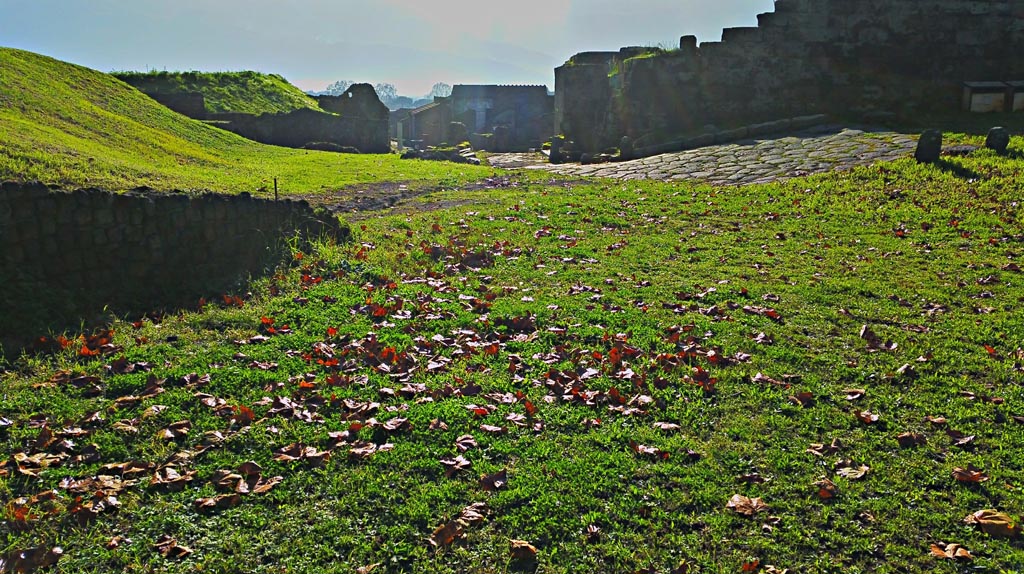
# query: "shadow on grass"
957 169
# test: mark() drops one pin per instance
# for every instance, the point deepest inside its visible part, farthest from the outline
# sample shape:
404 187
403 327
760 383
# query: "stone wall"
867 58
191 104
65 256
301 127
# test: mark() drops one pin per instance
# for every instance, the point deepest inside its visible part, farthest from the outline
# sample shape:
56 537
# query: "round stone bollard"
929 147
998 140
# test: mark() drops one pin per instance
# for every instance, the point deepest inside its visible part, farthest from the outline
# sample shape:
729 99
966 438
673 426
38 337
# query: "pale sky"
409 43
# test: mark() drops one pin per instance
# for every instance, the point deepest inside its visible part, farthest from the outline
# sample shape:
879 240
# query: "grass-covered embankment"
70 126
226 92
597 370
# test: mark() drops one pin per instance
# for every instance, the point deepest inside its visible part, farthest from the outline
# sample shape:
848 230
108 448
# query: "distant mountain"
388 94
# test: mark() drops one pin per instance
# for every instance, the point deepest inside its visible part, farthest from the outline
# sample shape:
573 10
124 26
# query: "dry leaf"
826 489
969 474
170 548
852 472
911 439
746 506
523 550
994 523
493 482
951 552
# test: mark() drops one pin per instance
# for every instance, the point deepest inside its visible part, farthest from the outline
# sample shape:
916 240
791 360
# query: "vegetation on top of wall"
71 126
226 92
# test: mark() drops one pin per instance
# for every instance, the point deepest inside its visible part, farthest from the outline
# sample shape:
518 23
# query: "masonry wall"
301 127
67 255
848 57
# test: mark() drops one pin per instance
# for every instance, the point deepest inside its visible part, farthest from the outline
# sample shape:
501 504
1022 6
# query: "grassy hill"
226 92
72 126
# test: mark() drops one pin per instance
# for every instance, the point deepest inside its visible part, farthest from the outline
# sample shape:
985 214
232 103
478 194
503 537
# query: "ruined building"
875 59
497 118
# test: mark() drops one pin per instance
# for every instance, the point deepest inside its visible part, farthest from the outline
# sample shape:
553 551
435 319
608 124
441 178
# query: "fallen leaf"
465 442
994 523
496 481
853 472
220 501
446 534
819 449
454 465
866 417
969 474
911 439
169 547
854 394
26 561
523 551
826 489
746 506
951 552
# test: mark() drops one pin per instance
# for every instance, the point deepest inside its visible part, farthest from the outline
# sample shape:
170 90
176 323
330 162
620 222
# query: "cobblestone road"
819 150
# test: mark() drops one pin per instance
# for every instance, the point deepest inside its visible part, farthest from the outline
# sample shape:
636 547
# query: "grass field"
595 370
226 92
73 127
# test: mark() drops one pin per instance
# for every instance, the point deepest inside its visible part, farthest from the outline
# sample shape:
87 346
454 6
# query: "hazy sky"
409 43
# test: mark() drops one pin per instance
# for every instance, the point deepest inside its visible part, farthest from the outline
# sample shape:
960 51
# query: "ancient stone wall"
192 104
89 249
866 58
301 127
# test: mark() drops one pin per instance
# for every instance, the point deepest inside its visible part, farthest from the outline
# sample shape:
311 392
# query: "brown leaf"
819 449
854 394
473 513
994 523
176 430
523 551
911 439
491 429
959 438
465 442
496 481
446 534
368 568
866 417
26 561
746 506
826 489
220 501
169 547
969 474
804 399
454 465
852 472
951 552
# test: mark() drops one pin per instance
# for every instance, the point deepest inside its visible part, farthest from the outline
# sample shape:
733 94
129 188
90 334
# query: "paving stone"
750 161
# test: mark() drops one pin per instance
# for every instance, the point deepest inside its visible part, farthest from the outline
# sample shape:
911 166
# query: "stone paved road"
823 149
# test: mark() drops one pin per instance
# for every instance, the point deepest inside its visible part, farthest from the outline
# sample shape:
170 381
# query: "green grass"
226 92
70 126
531 292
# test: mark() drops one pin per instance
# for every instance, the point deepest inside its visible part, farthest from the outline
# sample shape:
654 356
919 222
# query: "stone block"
929 147
998 140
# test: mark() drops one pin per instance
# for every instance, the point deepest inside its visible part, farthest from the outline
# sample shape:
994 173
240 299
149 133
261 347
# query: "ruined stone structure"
866 58
516 117
356 119
91 249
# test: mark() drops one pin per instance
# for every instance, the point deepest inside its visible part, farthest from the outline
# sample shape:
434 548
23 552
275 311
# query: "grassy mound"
822 375
226 92
71 126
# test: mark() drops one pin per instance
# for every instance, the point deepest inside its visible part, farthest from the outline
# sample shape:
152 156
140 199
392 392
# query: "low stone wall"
66 256
301 127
